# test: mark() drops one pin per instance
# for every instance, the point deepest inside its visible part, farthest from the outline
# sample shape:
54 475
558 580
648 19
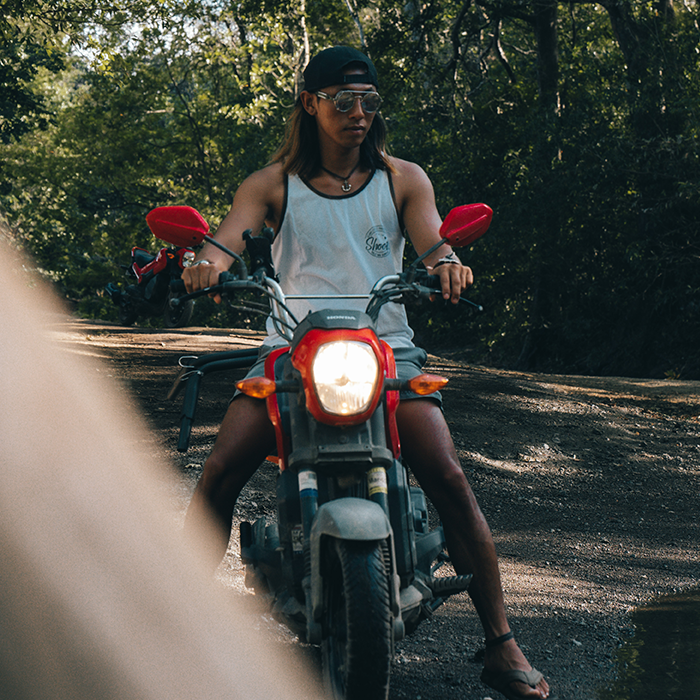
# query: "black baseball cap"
326 68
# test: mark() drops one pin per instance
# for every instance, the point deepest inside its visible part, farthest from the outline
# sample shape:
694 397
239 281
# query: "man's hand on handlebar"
201 276
454 278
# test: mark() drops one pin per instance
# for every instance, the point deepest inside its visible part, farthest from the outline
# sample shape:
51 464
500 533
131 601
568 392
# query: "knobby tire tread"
368 649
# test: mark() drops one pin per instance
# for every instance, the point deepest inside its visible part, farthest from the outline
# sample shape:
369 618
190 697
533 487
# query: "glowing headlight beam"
345 376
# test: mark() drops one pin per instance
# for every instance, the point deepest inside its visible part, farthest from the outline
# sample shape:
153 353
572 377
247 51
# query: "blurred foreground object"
99 598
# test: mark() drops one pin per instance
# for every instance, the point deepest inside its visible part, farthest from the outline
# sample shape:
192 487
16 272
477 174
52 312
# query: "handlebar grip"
427 280
178 287
432 282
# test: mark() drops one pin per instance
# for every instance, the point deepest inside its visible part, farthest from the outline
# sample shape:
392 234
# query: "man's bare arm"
416 201
257 200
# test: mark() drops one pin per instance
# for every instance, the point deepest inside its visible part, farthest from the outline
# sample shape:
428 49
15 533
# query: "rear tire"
127 313
357 649
178 316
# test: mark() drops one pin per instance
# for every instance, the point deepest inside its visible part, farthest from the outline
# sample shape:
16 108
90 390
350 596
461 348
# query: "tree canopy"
576 122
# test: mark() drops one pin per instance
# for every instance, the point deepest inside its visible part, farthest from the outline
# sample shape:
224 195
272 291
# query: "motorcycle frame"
395 515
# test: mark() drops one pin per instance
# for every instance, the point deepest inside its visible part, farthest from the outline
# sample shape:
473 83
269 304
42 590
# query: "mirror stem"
428 252
243 270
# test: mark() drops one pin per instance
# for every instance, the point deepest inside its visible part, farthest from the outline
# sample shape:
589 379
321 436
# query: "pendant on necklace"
346 186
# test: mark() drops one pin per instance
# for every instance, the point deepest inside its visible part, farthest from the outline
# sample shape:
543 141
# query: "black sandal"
501 680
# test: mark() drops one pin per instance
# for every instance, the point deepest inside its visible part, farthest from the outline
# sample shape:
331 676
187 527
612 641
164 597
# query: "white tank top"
340 245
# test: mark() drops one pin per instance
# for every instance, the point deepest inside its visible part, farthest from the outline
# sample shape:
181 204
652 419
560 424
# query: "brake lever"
478 307
435 293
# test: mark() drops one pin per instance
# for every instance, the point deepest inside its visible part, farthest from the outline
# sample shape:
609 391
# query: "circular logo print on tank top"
376 242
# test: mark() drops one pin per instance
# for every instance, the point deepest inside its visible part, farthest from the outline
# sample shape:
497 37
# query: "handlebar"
398 288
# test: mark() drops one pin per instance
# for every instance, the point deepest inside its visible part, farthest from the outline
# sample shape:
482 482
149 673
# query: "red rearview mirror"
180 226
463 225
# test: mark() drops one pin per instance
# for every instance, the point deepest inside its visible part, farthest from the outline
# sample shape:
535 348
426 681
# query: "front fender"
345 519
350 519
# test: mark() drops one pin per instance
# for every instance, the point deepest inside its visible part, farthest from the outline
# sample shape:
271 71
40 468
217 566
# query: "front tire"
357 647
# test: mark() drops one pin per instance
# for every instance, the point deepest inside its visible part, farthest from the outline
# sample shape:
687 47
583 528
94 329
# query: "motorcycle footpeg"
446 586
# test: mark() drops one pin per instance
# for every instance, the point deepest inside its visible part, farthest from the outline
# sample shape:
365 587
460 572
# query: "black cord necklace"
346 186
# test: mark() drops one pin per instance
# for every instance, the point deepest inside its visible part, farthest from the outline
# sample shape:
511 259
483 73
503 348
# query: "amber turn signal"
425 384
257 387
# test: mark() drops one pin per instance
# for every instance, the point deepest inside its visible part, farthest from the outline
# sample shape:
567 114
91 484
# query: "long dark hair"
300 154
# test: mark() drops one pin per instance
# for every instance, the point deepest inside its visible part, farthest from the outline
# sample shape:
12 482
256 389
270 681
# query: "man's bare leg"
427 447
246 437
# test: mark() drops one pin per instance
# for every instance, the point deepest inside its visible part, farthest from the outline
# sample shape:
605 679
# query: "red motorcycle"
151 294
350 562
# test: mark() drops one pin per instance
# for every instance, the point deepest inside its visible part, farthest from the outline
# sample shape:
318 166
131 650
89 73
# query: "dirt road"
590 486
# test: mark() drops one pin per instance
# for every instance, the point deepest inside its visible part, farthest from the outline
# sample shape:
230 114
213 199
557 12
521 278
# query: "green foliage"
590 263
24 55
165 113
110 109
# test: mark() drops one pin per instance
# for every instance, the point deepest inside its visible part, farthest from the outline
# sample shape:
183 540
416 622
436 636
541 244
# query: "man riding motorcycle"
338 205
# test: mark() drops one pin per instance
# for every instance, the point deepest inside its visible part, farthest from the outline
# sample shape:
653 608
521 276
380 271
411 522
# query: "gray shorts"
409 364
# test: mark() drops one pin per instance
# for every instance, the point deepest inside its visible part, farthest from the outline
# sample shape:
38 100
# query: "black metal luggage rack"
194 369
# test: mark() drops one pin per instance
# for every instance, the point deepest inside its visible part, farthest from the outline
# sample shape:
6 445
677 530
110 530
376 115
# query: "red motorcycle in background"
150 294
350 562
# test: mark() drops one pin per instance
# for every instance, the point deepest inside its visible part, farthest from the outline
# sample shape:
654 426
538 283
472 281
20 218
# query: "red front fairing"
392 403
273 409
155 266
301 359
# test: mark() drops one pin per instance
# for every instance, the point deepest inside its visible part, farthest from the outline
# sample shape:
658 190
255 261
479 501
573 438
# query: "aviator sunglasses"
345 100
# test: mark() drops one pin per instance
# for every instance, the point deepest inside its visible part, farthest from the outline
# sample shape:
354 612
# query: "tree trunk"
545 24
546 152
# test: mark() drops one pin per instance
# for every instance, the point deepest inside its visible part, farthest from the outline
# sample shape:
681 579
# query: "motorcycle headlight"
345 376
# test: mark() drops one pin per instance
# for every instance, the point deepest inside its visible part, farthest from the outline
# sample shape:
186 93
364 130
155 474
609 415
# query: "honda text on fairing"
349 564
150 294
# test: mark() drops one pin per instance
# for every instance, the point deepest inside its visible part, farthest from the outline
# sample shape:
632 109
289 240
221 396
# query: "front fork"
308 495
378 489
308 499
